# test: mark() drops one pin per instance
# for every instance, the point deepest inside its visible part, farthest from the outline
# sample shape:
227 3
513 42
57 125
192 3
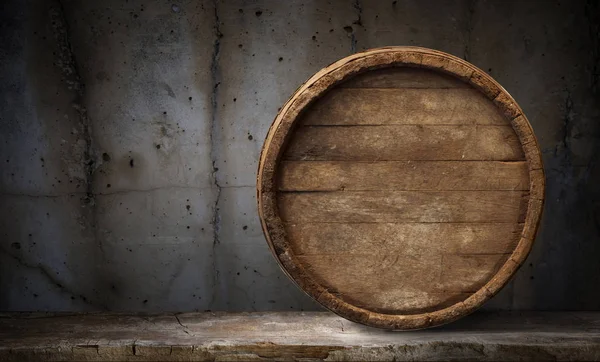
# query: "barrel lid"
400 187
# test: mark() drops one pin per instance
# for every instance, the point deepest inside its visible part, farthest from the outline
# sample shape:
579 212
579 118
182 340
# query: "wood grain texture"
403 78
414 175
400 187
404 206
381 106
407 142
410 238
463 273
410 302
396 281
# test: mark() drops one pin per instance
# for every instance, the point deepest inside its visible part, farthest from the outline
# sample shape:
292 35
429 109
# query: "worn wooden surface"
405 142
403 191
415 175
294 336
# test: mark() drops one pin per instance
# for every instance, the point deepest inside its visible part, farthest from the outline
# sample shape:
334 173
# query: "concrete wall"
130 133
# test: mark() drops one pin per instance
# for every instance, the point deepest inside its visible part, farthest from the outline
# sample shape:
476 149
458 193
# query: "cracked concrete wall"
131 131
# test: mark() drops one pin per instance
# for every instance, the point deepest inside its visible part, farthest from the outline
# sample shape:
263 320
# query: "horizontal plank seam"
409 161
386 190
399 88
348 190
429 253
406 124
402 222
446 292
298 159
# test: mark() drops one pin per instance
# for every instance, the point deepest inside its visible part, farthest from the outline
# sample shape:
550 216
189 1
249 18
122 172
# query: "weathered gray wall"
131 130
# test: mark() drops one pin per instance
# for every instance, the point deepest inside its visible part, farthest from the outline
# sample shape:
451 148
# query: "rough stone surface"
265 51
293 336
130 134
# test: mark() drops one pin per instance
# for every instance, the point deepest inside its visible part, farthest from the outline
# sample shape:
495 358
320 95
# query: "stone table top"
294 336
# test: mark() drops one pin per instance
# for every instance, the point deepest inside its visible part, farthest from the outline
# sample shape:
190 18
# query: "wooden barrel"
401 187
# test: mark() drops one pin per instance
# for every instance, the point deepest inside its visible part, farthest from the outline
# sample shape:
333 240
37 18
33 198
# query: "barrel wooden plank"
400 187
428 273
403 78
403 206
401 276
400 299
415 175
411 238
358 106
469 272
407 142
